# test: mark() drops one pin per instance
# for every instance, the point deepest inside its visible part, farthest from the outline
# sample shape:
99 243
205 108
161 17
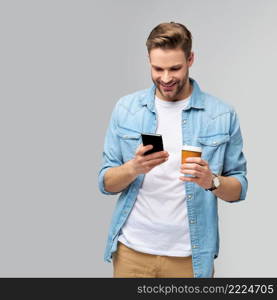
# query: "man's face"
170 72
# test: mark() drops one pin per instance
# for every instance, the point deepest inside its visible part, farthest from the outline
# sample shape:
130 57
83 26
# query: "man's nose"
166 77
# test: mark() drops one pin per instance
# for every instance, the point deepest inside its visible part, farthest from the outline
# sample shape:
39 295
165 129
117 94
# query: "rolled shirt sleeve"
111 156
235 164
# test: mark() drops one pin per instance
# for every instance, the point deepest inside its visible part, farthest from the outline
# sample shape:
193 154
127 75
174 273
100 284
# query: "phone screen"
152 139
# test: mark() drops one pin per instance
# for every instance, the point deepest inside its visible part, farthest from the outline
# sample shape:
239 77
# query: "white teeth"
168 85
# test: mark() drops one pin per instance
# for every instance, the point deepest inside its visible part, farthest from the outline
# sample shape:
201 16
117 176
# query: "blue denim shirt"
206 122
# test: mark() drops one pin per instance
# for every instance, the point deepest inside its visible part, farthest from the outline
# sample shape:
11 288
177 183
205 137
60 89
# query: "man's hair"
170 36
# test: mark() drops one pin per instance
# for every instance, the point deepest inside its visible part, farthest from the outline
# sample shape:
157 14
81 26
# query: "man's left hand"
199 168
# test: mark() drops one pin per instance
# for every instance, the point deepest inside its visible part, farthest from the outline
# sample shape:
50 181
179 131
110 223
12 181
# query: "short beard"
180 86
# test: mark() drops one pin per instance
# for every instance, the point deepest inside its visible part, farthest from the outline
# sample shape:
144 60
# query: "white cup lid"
192 148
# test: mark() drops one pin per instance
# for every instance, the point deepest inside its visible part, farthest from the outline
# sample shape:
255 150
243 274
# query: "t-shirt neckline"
175 104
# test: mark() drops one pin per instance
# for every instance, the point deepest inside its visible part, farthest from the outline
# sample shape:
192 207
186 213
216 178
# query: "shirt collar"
196 99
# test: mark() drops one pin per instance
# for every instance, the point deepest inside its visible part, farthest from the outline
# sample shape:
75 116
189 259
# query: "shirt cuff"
101 183
244 184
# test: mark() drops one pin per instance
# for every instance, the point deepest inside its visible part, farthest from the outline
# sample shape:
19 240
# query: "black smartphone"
152 139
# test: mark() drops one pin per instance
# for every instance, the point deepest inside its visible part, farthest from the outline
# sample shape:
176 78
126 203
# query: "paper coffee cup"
190 151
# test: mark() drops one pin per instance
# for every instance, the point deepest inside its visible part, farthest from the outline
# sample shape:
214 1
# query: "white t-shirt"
158 222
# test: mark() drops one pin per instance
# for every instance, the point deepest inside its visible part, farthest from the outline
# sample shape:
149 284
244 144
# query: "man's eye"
174 69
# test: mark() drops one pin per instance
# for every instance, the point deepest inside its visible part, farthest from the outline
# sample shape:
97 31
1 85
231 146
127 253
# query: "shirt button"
194 246
215 143
189 196
185 121
192 221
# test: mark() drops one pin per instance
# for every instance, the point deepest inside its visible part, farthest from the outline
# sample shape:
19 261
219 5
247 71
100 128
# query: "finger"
192 172
160 154
197 160
154 162
192 166
142 149
188 179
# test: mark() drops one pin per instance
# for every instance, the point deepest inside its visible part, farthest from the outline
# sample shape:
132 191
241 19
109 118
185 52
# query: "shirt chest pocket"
129 142
213 150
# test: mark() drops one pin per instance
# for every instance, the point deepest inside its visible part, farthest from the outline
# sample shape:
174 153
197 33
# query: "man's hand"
142 164
199 168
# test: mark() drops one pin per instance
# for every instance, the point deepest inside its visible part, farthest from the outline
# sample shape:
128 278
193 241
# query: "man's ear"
191 59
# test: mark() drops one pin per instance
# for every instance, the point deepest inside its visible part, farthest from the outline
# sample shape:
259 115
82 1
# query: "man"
165 222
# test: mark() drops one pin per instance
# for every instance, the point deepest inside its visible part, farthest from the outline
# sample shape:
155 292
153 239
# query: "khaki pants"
130 263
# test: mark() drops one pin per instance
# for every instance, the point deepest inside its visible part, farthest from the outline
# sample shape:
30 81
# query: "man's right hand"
142 164
116 179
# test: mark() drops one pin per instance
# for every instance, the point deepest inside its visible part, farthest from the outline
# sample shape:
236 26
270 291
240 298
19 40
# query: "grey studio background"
64 64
